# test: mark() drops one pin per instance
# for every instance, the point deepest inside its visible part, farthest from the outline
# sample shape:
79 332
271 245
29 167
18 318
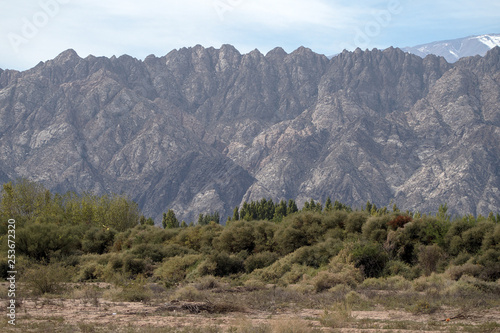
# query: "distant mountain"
202 129
452 50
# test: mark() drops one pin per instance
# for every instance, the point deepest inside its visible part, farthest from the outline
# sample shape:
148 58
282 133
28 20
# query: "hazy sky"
38 30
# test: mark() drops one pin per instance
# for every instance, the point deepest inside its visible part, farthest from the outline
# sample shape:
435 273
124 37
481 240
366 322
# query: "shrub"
274 272
238 236
424 307
295 273
97 240
337 273
135 291
336 219
399 221
434 282
174 270
4 268
226 264
133 266
260 260
41 241
264 236
319 254
289 239
456 272
44 279
90 271
428 258
375 228
397 267
338 316
390 283
473 237
187 293
207 282
492 240
370 257
355 221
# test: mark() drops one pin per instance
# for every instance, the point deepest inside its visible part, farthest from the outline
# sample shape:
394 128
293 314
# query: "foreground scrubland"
94 264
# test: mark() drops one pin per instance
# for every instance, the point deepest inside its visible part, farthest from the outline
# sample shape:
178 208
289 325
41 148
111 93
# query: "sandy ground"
192 315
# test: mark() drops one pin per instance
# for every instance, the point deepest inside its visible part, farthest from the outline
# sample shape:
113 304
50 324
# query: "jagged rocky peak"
278 53
200 129
67 58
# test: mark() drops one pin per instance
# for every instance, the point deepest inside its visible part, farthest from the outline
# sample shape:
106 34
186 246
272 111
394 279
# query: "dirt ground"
62 314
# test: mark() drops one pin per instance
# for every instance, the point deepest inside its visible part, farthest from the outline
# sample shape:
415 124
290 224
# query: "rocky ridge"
202 129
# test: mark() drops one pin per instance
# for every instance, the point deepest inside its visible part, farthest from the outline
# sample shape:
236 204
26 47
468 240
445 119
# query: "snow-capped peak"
452 50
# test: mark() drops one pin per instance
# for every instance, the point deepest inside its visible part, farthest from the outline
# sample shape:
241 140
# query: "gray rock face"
201 130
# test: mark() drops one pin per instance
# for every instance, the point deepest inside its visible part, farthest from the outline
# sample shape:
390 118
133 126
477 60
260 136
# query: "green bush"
174 270
375 228
264 236
399 268
238 236
289 239
42 241
132 266
336 219
355 221
317 255
223 264
370 257
260 260
473 238
90 271
98 240
492 240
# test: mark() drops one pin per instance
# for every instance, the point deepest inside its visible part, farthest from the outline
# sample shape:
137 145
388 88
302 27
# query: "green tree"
280 210
292 207
443 212
169 220
236 214
328 205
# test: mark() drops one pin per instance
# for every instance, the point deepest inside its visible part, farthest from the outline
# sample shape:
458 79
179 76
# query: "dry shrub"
423 307
463 289
340 289
429 257
132 291
45 279
390 283
245 326
188 293
291 326
338 273
253 284
207 282
87 294
338 316
433 283
456 272
296 273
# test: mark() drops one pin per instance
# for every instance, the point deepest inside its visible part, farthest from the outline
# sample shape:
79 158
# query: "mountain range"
452 50
202 129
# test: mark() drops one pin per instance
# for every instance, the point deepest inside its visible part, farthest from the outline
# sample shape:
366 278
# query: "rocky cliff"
202 129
